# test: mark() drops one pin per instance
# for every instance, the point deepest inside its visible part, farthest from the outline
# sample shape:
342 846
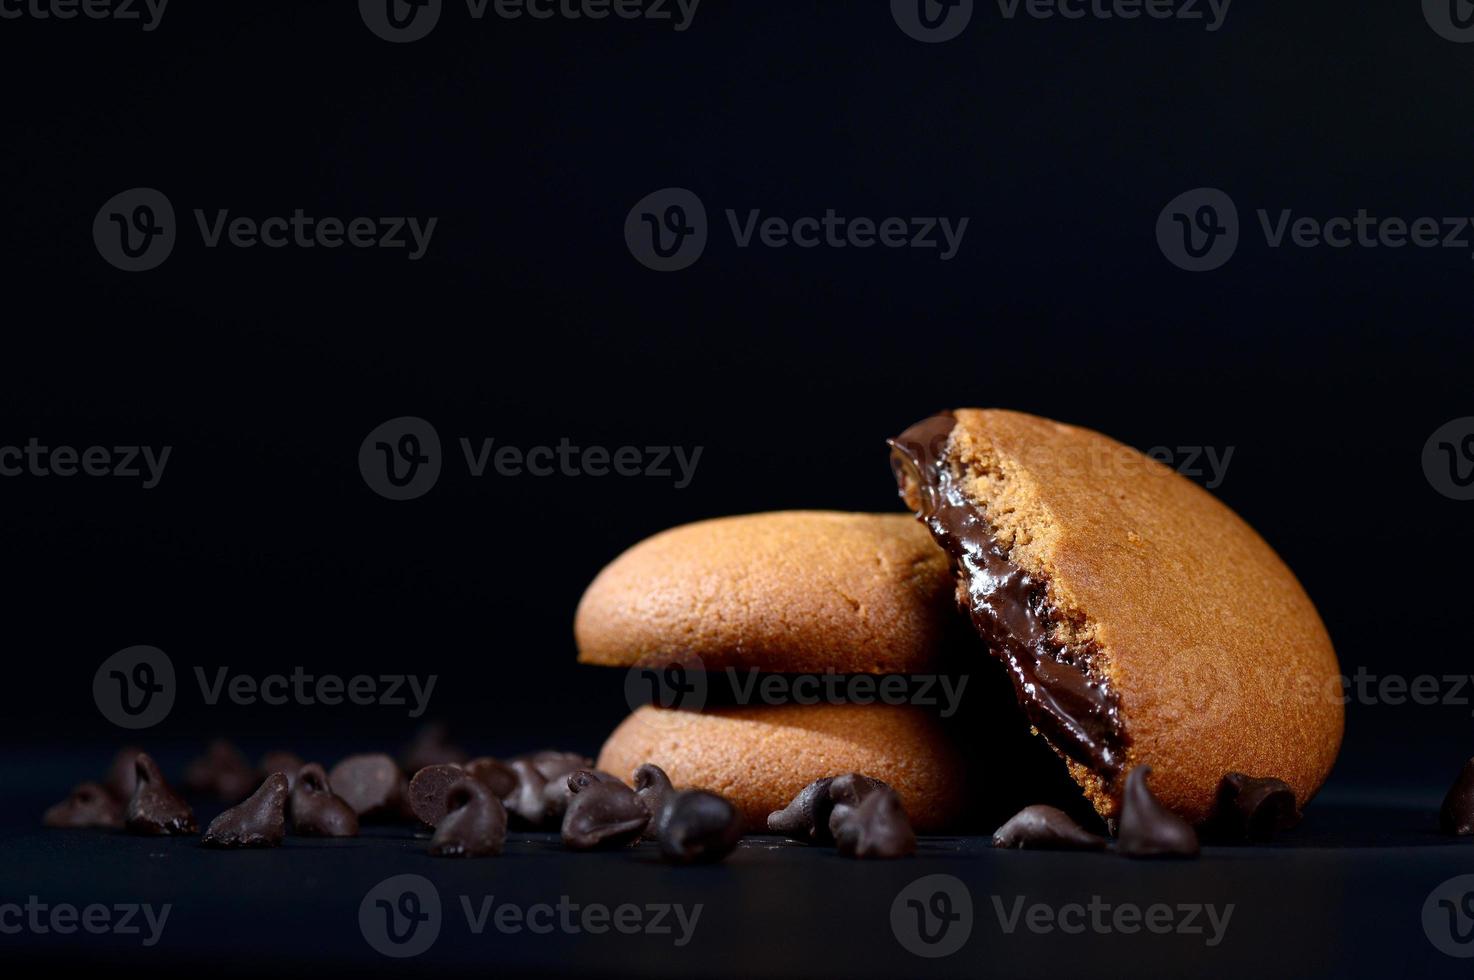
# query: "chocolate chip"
286 763
653 787
1046 828
876 827
316 810
806 818
475 822
259 821
557 791
372 784
497 775
695 826
553 764
89 805
122 776
526 803
222 772
428 789
1148 829
155 809
431 746
852 788
1457 814
1250 809
602 814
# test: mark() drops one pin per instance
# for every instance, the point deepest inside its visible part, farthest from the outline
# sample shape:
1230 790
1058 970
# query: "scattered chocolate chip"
496 774
431 746
806 818
875 828
316 810
1046 828
222 772
155 809
1457 814
1250 809
553 764
852 788
525 803
88 805
695 826
428 789
653 787
602 814
286 763
475 822
557 791
372 784
260 821
122 776
1148 829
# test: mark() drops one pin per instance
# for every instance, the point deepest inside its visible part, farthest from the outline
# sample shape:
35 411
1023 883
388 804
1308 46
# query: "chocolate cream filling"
1061 693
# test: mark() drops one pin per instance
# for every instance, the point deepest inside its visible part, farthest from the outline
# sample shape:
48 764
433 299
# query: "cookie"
1141 621
760 757
798 591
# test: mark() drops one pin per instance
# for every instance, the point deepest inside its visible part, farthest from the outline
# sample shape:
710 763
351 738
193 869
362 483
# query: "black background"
529 321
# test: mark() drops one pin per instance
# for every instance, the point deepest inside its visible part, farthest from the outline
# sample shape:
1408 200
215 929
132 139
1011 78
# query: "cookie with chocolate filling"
1141 621
760 757
798 591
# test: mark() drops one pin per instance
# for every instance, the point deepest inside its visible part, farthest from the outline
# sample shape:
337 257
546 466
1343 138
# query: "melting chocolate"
260 821
88 805
316 810
475 822
875 827
1457 813
1046 828
155 809
1061 693
1250 809
1147 828
695 826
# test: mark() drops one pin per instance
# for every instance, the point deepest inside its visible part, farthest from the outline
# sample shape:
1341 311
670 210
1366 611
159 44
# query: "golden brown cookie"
798 591
760 757
1142 621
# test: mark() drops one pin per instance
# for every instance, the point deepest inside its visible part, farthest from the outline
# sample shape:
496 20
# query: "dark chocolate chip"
89 805
1250 809
876 827
373 785
553 764
155 809
1457 814
806 817
1147 828
557 791
431 746
653 787
428 789
222 772
525 803
852 788
695 826
603 814
1046 828
286 763
475 822
316 810
259 821
122 776
497 775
